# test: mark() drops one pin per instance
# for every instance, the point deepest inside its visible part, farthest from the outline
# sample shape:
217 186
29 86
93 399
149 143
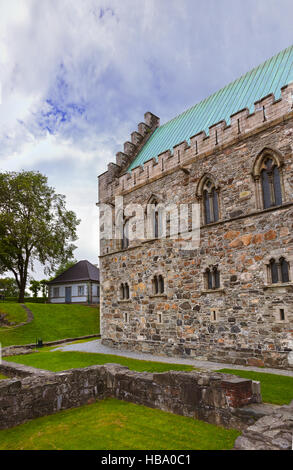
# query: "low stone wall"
19 370
273 432
212 397
209 352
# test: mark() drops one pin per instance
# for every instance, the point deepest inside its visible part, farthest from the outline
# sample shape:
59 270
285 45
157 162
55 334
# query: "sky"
77 76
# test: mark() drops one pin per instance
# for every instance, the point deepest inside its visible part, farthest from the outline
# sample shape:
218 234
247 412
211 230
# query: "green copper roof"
267 78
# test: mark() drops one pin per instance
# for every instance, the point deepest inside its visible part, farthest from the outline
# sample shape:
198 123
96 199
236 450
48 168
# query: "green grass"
2 377
13 312
63 360
53 322
277 389
116 425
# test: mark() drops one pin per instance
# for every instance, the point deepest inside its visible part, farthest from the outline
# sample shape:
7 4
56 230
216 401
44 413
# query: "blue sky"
77 77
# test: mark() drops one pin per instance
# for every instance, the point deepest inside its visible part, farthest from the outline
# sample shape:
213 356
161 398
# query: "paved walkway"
97 347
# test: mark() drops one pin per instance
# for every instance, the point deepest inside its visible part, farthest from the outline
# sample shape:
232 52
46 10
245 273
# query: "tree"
34 226
64 266
8 287
44 288
35 287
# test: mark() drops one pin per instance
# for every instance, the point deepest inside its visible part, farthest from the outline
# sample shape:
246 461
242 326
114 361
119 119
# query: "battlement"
116 182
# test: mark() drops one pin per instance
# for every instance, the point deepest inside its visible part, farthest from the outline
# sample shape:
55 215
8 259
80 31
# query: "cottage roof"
81 271
263 80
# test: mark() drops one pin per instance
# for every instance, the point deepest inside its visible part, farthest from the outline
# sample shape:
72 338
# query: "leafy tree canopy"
64 266
34 225
8 287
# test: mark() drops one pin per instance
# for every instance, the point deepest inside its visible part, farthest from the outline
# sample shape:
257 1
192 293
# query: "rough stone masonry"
248 318
212 397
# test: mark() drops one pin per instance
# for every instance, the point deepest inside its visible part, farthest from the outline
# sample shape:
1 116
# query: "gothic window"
274 271
154 218
124 291
268 179
279 271
125 236
271 184
158 284
212 278
161 284
210 202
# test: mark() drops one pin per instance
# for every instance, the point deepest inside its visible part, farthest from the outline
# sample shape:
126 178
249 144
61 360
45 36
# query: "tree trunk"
21 293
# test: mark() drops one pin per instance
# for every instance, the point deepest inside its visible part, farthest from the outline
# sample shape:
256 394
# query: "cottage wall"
91 292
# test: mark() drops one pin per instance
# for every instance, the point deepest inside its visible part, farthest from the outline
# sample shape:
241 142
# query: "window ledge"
150 240
124 301
158 295
212 291
278 284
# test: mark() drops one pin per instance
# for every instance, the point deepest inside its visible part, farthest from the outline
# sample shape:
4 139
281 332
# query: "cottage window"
55 291
80 290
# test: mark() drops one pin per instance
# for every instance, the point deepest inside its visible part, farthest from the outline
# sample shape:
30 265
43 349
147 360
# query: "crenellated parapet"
131 149
242 123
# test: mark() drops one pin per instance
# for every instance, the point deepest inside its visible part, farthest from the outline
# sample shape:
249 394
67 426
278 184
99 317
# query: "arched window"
155 285
284 265
161 284
158 284
156 224
268 179
274 271
154 218
125 235
212 278
124 291
210 202
271 184
279 271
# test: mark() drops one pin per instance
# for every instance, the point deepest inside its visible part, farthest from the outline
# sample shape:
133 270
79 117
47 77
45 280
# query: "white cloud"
77 77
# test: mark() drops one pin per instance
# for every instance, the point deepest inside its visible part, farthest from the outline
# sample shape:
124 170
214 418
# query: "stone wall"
212 397
247 329
273 432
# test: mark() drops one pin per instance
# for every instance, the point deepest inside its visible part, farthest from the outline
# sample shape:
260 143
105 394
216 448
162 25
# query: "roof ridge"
267 78
225 86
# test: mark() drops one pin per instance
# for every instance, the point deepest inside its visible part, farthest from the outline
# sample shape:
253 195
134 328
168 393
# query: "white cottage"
78 284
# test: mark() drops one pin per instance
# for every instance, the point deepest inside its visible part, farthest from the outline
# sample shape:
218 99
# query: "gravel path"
97 347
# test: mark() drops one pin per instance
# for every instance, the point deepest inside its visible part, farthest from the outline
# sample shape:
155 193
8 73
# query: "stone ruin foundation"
216 398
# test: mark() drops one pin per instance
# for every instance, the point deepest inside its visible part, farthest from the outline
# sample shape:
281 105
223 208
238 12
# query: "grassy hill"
51 322
13 312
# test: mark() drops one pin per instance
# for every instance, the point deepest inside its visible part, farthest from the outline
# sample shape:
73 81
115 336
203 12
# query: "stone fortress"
231 299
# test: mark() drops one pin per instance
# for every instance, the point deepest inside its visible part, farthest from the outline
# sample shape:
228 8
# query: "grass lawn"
116 425
63 360
53 322
13 312
2 377
277 389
